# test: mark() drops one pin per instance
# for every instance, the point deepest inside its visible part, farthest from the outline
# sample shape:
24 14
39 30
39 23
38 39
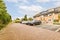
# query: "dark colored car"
35 22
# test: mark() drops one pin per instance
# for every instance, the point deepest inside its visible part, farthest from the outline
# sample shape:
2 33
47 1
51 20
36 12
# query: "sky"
18 8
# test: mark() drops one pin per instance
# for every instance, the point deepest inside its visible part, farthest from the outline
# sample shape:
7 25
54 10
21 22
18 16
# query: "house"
48 16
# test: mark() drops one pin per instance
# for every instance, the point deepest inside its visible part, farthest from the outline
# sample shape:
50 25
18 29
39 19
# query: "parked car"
28 23
24 22
34 22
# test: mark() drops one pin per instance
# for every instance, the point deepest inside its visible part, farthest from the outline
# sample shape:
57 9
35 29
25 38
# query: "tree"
59 16
30 19
5 18
17 20
25 18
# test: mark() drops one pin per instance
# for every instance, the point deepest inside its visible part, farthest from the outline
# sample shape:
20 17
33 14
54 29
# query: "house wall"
37 18
48 19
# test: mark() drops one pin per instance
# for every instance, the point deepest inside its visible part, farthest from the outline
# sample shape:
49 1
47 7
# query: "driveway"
17 31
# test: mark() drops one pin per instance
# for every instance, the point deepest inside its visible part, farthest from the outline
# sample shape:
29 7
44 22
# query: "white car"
25 22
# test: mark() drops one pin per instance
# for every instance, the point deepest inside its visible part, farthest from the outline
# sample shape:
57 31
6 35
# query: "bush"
5 18
56 21
1 26
17 21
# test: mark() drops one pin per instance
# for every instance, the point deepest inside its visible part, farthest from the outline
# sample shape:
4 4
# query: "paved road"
18 31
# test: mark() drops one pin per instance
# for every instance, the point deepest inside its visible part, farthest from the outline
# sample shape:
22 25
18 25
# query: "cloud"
30 10
27 7
56 3
12 1
43 1
56 0
28 0
16 1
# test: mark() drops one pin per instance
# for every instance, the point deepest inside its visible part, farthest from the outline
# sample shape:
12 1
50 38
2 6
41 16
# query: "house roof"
53 10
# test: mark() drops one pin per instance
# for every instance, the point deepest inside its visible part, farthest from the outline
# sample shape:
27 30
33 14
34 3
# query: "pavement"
49 27
17 31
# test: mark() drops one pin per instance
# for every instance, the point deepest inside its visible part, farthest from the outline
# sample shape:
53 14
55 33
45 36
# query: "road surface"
18 31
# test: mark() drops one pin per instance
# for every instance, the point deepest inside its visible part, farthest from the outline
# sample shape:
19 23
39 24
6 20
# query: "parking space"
49 27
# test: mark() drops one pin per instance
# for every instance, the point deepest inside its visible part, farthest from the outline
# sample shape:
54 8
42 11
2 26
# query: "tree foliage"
17 20
5 18
25 18
59 16
30 19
